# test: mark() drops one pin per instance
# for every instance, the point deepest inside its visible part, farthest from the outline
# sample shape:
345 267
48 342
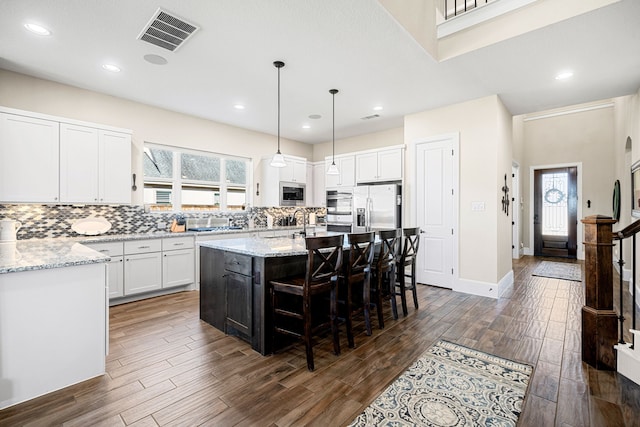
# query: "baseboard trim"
475 287
505 283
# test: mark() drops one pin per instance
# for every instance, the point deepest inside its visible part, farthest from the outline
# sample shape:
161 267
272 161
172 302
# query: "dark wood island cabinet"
234 278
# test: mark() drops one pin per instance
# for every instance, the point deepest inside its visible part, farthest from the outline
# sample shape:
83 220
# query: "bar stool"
357 280
292 314
407 258
384 273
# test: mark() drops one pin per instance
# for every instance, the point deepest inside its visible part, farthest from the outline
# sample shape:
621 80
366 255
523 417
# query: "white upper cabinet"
319 192
114 183
295 171
347 167
49 160
382 165
95 165
78 164
28 159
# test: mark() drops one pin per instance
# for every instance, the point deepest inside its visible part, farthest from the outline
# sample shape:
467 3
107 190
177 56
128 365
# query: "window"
177 179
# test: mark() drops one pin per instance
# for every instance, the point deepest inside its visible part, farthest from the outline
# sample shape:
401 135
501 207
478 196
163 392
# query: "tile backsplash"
50 221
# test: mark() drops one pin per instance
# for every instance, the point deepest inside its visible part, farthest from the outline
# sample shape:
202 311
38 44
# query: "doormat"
559 270
452 385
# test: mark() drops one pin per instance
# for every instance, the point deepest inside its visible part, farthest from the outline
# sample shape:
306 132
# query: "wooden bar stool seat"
407 258
293 299
384 273
355 286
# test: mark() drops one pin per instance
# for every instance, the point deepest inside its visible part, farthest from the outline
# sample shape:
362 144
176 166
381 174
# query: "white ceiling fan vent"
167 31
373 116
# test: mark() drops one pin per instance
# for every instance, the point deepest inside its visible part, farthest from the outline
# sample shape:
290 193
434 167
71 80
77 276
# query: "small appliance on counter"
9 229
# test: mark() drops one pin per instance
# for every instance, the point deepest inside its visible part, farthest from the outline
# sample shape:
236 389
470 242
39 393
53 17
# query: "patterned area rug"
452 385
559 270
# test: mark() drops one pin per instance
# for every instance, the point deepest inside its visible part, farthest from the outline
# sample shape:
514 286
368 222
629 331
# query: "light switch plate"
477 206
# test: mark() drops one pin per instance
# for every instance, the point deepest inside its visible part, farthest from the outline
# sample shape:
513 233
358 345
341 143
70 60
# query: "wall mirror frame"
635 189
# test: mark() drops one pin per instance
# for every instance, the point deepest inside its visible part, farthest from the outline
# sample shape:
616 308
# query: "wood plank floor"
168 368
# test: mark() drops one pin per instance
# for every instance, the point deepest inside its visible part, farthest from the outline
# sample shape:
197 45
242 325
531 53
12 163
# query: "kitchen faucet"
303 233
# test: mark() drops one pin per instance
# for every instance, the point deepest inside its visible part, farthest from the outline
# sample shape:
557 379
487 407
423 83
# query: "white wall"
148 123
485 156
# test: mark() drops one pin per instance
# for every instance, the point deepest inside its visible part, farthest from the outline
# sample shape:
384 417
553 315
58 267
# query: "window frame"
177 181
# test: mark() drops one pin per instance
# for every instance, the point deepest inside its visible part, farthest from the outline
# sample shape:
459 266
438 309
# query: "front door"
555 212
436 206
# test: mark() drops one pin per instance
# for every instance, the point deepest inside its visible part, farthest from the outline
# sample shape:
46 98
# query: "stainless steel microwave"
292 194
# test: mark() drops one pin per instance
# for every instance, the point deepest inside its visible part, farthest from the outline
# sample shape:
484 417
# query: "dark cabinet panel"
239 303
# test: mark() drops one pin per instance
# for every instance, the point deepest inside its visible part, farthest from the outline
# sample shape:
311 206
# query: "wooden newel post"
599 320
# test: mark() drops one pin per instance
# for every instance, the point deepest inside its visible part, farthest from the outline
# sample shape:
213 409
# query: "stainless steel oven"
292 194
340 210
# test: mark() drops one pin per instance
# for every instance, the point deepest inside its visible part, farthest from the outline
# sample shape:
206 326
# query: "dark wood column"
599 321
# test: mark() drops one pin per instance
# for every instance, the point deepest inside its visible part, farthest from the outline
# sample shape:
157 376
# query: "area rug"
559 270
452 385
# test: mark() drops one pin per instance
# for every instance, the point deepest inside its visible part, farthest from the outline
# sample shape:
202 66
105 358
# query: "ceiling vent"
373 116
167 31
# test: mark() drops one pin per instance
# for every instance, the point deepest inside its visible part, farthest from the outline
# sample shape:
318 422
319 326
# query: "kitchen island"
234 283
53 317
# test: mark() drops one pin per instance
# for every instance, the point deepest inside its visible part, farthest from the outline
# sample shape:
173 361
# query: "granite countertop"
26 255
266 247
40 254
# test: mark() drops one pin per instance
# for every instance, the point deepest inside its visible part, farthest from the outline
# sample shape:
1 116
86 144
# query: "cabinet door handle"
104 251
121 260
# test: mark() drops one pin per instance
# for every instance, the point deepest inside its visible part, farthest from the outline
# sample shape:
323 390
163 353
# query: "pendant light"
278 159
333 169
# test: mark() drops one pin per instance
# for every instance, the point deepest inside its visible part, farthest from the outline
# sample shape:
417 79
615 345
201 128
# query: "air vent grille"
167 31
373 116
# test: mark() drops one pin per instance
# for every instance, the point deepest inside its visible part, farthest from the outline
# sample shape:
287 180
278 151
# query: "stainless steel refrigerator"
377 207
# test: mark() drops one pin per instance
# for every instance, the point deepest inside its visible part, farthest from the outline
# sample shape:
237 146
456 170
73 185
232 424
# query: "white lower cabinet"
142 272
142 266
178 261
115 267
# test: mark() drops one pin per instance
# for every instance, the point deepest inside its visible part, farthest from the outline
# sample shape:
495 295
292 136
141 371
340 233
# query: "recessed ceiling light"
111 67
377 108
315 116
564 75
155 59
306 127
238 107
37 29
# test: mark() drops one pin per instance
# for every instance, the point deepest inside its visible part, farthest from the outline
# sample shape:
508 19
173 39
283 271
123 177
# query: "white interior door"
515 210
436 202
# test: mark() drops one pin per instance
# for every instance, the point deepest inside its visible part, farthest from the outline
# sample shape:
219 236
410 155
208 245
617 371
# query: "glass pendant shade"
333 169
278 160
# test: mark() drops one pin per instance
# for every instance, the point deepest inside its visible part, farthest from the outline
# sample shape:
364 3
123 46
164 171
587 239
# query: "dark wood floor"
166 367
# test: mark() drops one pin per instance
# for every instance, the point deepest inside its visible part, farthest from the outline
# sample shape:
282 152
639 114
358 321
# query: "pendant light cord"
278 108
333 137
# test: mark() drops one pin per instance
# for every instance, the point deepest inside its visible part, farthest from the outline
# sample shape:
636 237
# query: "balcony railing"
456 7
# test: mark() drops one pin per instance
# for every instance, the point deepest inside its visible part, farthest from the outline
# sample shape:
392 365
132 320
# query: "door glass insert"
554 204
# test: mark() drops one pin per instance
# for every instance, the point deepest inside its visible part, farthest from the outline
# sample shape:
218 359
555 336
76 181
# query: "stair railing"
629 231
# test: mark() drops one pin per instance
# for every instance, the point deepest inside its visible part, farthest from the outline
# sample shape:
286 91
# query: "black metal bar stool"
407 258
292 299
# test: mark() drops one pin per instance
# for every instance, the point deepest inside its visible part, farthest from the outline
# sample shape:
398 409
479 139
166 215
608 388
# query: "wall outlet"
477 206
162 225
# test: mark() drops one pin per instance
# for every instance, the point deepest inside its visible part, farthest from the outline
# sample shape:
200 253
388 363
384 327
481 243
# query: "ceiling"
354 46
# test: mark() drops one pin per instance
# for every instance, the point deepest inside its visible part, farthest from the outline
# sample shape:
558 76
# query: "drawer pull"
104 251
178 244
144 247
